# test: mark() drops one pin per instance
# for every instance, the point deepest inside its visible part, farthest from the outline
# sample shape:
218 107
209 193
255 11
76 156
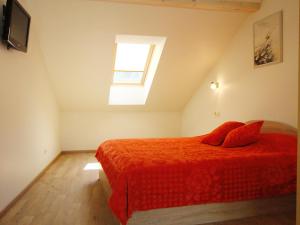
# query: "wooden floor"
69 195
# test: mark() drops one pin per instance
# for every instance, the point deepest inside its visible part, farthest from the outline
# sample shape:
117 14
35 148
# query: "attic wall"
245 92
87 130
29 118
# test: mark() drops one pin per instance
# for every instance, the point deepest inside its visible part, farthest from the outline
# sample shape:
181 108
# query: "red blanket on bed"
158 173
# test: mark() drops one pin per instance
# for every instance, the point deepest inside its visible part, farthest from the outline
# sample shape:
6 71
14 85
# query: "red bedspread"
158 173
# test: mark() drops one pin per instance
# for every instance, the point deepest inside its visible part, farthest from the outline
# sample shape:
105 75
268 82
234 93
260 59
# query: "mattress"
148 174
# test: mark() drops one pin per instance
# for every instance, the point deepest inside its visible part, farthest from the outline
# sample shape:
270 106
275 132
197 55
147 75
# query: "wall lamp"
214 85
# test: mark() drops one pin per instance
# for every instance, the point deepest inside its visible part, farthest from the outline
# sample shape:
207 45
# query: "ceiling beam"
217 5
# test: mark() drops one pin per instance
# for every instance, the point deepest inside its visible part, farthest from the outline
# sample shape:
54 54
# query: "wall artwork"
268 40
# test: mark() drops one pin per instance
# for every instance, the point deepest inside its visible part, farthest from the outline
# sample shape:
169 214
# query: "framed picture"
268 40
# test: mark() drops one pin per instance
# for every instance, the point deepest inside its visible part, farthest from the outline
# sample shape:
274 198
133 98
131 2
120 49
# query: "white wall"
86 130
28 119
246 93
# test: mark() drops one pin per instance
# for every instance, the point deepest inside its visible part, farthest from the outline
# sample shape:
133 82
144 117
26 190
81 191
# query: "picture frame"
268 40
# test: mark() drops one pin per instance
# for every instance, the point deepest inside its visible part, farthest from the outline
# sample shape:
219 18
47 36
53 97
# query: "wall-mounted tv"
16 25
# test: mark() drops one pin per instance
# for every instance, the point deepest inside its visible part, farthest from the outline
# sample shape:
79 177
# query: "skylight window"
136 62
128 77
131 63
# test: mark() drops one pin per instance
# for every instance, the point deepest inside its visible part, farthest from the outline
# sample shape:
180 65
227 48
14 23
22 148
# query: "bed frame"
214 212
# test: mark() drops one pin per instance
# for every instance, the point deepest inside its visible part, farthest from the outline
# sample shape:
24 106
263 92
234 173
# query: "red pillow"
217 136
244 135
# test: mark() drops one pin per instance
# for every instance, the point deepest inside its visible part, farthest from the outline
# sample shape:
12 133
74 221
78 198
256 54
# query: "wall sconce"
214 85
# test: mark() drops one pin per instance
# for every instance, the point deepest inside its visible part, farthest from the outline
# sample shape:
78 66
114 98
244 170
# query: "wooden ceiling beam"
216 5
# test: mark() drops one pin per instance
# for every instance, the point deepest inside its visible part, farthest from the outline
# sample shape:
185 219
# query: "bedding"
217 136
244 135
148 174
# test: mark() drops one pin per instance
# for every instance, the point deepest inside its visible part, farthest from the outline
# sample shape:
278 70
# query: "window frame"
145 71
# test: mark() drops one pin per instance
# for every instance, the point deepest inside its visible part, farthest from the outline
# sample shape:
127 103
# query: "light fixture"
214 85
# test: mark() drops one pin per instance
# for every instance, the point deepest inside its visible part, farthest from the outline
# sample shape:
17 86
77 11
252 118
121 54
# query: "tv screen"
16 25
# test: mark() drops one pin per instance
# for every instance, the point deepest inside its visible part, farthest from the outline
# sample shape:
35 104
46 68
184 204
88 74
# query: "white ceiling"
77 41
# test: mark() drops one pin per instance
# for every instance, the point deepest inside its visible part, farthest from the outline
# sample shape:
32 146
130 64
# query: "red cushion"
217 136
244 135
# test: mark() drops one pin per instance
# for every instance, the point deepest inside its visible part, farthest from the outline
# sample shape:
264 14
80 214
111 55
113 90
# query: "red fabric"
244 135
217 136
147 174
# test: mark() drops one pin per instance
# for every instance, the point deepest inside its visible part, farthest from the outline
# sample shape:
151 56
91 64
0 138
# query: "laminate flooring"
69 193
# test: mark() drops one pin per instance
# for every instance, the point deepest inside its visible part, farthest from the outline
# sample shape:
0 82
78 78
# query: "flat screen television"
16 25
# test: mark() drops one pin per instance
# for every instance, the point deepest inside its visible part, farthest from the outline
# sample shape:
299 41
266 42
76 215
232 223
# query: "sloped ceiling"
77 41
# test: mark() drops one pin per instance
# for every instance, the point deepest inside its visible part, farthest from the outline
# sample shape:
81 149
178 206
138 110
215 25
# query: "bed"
181 181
